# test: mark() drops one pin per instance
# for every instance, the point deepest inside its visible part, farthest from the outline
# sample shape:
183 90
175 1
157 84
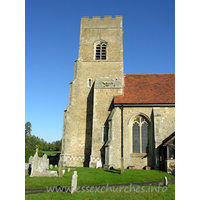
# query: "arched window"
140 135
101 51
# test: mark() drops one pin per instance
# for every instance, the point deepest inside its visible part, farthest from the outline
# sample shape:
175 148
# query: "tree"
52 146
28 129
45 146
31 141
27 135
58 145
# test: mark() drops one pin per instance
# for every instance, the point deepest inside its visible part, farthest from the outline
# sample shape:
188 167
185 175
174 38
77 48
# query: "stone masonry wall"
106 29
167 126
78 116
102 108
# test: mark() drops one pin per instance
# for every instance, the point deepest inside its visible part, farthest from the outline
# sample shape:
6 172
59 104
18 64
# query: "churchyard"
82 182
95 176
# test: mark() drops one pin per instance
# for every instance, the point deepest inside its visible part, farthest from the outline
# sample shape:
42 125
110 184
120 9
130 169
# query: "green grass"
93 176
144 193
51 153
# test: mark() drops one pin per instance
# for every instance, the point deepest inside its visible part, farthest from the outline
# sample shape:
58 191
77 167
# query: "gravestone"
56 166
51 166
60 172
30 159
26 165
68 170
99 164
38 165
45 161
74 182
34 163
165 181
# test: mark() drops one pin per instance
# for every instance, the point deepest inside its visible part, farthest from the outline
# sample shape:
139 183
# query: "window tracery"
140 135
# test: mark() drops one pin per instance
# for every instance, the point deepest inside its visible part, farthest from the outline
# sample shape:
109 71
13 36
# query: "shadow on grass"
115 171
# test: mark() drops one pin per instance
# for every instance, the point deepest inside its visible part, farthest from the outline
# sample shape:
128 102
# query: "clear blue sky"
52 29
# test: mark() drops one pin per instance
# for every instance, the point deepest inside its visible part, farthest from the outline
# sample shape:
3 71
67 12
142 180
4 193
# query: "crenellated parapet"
97 22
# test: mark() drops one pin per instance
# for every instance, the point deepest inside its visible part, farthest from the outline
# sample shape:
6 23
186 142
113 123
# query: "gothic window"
101 51
140 133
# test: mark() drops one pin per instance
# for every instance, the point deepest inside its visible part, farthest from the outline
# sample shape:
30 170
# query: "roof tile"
147 88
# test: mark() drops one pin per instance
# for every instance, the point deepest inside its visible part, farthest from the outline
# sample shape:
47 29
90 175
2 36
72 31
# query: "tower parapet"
97 22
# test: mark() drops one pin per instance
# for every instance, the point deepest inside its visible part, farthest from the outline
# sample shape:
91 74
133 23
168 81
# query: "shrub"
29 153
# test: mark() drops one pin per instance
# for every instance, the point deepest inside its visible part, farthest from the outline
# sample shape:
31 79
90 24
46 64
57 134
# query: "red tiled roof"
147 88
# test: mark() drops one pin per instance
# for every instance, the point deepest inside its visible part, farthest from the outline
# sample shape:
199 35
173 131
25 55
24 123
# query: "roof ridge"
152 74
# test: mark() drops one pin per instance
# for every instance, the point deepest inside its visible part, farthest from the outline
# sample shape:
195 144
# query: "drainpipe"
122 159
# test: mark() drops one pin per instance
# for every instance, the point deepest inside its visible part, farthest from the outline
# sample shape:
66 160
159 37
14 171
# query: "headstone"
38 166
51 166
45 162
63 171
34 164
68 170
30 159
74 182
26 165
52 173
60 173
165 181
99 164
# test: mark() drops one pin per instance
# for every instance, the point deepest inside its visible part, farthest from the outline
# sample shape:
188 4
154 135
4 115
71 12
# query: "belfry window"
140 135
101 51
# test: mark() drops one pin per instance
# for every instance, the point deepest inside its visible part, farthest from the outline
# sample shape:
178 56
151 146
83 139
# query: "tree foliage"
31 141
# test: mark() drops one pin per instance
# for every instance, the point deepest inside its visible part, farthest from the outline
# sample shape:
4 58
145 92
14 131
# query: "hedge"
29 153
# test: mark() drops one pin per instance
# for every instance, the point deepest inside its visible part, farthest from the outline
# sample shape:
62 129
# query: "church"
112 117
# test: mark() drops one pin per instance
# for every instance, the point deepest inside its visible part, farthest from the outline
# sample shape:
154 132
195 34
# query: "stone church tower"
98 76
113 116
